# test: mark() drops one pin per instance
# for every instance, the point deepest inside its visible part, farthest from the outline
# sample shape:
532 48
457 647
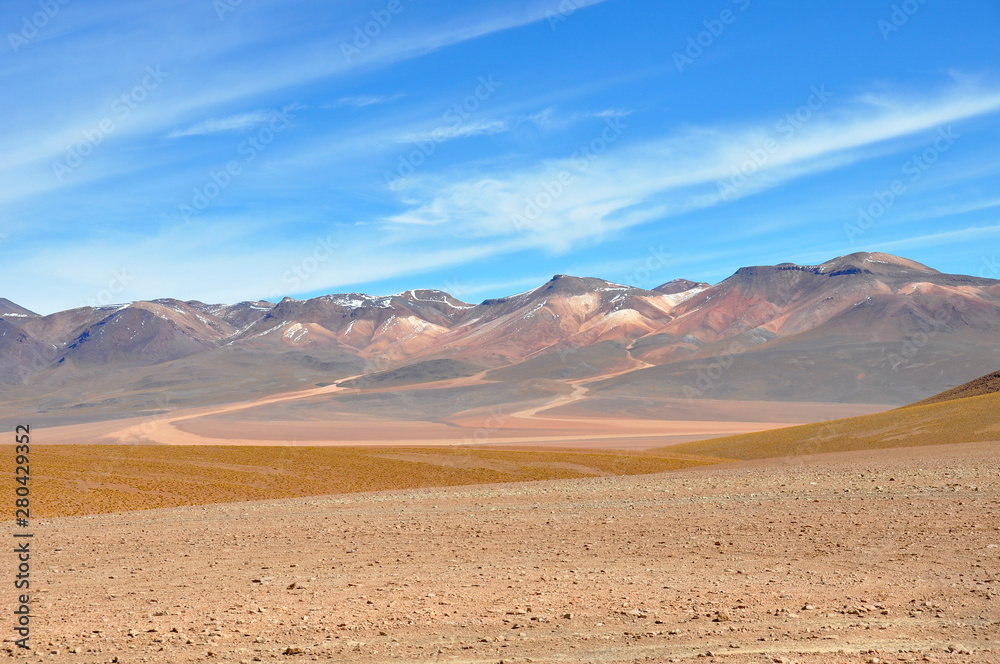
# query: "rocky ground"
886 556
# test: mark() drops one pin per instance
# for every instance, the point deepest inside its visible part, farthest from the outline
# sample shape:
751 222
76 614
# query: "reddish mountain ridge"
790 299
882 319
864 326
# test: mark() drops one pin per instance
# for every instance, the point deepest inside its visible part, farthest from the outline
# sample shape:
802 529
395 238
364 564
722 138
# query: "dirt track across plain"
882 556
561 420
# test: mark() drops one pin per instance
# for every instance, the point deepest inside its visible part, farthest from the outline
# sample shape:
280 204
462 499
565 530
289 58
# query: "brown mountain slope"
8 308
427 371
238 315
863 328
147 333
395 326
814 367
20 354
675 286
987 384
63 327
965 420
565 313
875 291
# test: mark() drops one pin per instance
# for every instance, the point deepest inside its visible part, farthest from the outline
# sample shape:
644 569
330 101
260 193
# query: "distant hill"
987 384
680 286
8 307
866 328
956 420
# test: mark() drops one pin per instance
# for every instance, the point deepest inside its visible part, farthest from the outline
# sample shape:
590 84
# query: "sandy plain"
436 414
874 556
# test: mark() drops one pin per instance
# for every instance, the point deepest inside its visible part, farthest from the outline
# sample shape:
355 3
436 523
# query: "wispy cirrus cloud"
944 237
550 118
450 132
237 122
581 198
361 101
586 71
547 118
296 65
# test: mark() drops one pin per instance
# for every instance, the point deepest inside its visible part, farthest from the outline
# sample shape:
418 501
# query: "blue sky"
243 149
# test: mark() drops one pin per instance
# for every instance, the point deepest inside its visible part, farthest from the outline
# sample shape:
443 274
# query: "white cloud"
549 118
454 131
566 202
187 263
463 216
361 101
943 238
217 125
305 64
956 209
613 113
545 119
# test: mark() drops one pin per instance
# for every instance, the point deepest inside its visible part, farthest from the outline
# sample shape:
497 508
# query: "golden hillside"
93 479
965 420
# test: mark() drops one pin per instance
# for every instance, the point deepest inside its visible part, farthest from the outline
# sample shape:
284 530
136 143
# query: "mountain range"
862 328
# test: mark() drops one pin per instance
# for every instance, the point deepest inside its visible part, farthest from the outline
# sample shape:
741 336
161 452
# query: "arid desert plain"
552 478
500 332
873 556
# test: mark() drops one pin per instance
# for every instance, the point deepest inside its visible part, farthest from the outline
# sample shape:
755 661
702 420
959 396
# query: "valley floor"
428 415
877 556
